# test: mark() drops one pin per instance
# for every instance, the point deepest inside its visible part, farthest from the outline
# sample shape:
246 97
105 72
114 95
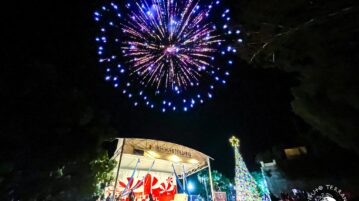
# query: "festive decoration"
166 54
245 186
161 188
234 141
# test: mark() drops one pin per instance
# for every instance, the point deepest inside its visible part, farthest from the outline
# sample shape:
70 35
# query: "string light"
245 185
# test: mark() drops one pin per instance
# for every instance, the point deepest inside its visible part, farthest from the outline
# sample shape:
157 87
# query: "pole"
210 178
118 169
184 183
184 179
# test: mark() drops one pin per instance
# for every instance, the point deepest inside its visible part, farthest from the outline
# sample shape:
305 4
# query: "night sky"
255 105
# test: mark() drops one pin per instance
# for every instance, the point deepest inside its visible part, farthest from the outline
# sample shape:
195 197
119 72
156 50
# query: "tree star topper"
234 141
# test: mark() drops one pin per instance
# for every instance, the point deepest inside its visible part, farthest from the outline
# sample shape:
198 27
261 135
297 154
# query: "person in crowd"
131 196
118 198
150 197
108 197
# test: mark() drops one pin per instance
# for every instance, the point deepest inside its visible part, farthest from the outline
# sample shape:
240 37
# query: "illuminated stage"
154 167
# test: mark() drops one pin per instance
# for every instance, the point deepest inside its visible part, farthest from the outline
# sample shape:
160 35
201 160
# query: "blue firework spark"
166 54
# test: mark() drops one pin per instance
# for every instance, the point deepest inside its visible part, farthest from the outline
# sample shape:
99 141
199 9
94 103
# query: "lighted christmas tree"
246 188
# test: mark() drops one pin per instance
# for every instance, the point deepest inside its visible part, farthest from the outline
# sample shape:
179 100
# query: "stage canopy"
160 155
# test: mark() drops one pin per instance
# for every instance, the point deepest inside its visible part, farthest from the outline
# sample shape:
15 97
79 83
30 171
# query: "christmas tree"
245 186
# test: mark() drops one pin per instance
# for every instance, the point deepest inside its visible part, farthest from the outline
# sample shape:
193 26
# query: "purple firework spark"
169 44
162 52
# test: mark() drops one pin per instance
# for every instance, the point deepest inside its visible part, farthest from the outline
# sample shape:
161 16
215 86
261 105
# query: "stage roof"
165 154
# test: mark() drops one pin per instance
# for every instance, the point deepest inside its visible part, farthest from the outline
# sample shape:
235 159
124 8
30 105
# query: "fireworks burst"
162 53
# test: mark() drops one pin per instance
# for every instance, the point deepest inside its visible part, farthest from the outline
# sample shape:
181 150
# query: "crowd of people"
130 197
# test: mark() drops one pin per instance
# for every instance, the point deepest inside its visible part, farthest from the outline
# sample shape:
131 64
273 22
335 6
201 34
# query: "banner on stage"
181 197
220 196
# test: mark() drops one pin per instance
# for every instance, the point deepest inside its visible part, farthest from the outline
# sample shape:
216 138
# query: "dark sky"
255 105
